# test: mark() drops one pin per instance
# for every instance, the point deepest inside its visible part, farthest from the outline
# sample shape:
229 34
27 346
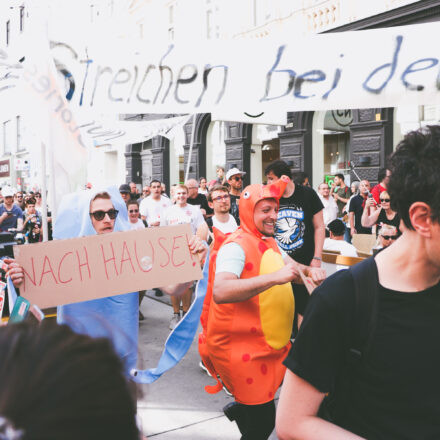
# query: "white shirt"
225 227
203 191
153 210
138 225
330 210
175 215
342 246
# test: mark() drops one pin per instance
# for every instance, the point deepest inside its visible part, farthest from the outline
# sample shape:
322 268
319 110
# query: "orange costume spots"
246 342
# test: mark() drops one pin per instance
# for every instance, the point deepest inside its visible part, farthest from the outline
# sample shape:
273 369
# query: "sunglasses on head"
385 200
389 237
99 215
131 211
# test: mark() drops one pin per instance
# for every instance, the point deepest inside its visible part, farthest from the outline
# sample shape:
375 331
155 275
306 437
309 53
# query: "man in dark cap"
125 190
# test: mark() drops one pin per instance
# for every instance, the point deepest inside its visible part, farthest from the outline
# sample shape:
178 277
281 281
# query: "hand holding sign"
80 269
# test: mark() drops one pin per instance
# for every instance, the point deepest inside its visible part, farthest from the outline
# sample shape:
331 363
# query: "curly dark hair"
279 168
56 384
415 173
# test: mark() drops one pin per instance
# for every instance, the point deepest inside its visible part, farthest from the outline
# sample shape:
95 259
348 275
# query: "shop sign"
329 179
4 168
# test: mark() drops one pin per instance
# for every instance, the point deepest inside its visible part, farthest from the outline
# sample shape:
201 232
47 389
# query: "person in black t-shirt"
300 230
393 391
357 205
195 198
234 177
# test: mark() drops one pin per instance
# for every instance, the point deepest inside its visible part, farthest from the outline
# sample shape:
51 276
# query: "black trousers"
255 422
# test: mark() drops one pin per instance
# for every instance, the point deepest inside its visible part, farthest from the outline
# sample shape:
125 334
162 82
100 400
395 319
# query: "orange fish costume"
246 342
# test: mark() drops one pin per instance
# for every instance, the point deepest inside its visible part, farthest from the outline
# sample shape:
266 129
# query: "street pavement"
176 406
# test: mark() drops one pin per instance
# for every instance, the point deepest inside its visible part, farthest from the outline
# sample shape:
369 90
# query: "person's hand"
197 247
317 274
287 273
352 231
315 263
4 216
154 224
15 271
335 196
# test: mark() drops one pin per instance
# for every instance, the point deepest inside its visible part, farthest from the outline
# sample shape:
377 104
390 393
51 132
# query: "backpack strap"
366 287
209 223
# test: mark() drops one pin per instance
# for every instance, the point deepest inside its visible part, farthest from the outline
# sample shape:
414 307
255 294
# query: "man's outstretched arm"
228 288
297 413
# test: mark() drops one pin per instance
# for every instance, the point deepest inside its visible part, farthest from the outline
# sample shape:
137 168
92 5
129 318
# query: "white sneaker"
174 320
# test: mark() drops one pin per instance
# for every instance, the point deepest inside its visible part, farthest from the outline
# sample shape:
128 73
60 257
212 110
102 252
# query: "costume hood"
73 219
251 195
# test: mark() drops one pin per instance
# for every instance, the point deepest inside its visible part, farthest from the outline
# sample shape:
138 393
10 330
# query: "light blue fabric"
12 294
180 339
113 317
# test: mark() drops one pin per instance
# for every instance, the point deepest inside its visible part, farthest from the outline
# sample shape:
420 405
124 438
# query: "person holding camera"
32 222
11 216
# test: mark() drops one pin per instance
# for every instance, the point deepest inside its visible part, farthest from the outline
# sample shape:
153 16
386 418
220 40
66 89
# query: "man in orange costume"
250 320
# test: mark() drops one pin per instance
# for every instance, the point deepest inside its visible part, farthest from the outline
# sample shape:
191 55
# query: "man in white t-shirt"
336 241
330 210
178 214
220 202
153 206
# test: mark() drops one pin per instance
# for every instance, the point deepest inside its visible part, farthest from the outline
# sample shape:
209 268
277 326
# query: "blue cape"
114 317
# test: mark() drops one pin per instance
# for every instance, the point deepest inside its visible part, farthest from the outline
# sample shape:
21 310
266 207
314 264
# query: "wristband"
317 258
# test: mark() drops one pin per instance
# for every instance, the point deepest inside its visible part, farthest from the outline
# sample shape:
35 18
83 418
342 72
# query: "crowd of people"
22 212
357 358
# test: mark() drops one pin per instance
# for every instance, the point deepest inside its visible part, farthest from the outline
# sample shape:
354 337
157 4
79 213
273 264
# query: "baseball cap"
7 191
124 188
233 172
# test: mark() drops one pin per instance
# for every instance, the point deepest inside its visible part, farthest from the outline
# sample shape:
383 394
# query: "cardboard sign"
81 269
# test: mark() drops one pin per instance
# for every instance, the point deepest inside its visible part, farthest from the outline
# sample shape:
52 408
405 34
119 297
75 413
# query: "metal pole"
191 143
43 193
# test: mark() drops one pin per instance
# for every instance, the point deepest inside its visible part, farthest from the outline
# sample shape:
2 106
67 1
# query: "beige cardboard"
80 269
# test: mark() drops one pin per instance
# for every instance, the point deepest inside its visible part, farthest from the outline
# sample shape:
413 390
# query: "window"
21 18
171 23
8 32
19 145
7 137
208 25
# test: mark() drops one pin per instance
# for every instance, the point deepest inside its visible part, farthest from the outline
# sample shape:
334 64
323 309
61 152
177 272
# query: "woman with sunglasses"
133 215
380 214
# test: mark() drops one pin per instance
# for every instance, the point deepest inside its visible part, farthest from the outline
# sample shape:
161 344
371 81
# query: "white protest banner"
104 132
41 99
371 68
80 269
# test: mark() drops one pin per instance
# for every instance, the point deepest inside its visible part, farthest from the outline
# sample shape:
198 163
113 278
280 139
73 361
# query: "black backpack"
366 288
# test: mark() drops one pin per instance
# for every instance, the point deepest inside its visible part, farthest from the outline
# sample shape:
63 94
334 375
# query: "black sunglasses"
385 200
389 237
99 215
131 211
237 178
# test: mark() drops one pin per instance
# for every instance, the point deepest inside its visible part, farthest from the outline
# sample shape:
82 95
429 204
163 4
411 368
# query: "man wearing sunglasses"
373 344
234 177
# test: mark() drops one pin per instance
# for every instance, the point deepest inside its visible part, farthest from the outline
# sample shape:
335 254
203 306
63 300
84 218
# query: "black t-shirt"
395 394
356 206
395 221
294 230
202 202
234 208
